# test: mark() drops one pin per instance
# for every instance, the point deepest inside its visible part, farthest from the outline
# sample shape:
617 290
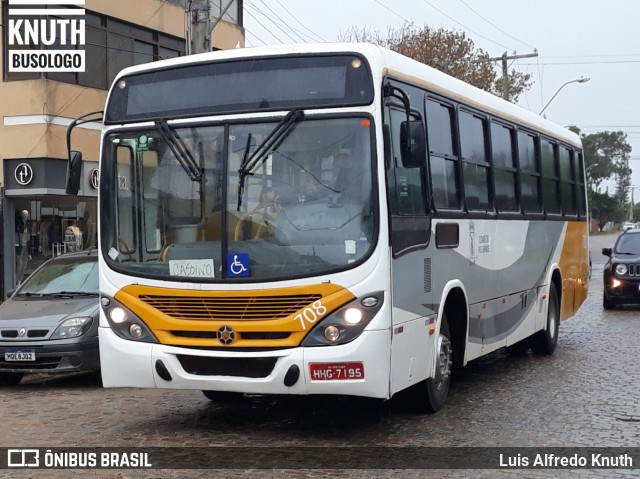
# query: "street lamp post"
578 80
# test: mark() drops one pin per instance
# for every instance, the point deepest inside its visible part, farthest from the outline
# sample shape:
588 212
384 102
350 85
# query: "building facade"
39 220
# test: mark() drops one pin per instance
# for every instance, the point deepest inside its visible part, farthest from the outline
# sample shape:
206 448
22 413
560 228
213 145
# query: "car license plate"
20 355
336 371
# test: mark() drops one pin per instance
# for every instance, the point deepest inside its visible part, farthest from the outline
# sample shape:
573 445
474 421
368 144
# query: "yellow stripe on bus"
279 317
574 268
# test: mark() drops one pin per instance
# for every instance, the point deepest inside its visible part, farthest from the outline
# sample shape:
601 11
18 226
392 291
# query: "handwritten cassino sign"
195 268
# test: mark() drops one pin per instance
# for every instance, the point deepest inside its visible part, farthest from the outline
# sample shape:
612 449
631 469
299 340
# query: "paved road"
584 395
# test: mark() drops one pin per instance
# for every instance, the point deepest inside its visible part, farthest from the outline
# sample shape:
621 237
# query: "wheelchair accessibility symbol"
237 265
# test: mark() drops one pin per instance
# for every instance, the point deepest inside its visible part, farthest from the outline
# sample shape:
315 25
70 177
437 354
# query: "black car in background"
50 323
622 271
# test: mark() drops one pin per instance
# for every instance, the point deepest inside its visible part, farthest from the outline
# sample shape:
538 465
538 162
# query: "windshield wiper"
626 253
73 293
269 144
30 295
179 150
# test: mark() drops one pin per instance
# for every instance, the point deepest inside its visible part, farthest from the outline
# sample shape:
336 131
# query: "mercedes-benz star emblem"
226 335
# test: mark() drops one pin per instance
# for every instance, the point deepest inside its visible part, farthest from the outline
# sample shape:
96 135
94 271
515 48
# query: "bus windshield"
243 201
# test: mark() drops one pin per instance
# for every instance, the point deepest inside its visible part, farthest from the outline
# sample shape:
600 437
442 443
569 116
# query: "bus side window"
568 181
443 156
126 208
550 179
529 173
410 224
475 163
405 184
503 147
578 174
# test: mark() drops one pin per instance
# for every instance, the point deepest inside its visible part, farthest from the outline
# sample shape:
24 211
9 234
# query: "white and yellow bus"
328 219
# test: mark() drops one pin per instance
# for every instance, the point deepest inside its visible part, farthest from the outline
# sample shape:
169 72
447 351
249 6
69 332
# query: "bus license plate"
336 371
20 355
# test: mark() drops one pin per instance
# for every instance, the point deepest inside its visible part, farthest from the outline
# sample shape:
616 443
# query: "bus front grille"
244 335
236 367
229 308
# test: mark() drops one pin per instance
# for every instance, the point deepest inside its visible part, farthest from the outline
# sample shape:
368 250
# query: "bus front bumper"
358 368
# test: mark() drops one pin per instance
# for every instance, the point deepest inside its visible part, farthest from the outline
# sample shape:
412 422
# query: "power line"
293 30
265 28
607 55
584 62
248 4
392 11
610 126
464 26
495 26
299 22
257 37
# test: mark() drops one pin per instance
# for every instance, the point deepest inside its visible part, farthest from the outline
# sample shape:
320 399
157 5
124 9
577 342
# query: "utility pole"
200 38
505 68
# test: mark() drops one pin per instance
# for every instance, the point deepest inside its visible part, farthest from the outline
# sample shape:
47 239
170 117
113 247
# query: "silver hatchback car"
50 323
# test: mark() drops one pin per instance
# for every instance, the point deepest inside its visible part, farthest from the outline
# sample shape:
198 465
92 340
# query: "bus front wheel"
434 391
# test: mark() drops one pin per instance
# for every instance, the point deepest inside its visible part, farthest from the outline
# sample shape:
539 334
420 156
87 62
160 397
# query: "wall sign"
23 174
94 178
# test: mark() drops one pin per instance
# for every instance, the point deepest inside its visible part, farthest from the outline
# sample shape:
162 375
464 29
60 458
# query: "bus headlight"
621 269
353 316
126 324
332 333
346 323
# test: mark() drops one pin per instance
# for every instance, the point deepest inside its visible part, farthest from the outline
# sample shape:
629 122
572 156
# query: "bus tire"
435 390
10 379
223 396
544 342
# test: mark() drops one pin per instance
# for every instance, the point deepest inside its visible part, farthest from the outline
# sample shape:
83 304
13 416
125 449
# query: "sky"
573 38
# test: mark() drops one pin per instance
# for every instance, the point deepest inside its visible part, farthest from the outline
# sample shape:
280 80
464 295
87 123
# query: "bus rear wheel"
545 341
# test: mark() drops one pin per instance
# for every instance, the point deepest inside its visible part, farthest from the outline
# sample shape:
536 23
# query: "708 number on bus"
312 314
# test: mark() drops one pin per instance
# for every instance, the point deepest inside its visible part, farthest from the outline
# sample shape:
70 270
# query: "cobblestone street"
586 394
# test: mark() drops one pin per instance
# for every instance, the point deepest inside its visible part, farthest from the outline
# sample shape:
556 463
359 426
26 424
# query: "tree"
451 52
606 156
606 209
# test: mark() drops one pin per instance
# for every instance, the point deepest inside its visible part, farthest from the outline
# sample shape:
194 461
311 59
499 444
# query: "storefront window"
48 227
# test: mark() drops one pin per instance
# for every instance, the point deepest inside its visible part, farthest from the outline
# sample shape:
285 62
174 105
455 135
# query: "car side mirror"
606 251
10 292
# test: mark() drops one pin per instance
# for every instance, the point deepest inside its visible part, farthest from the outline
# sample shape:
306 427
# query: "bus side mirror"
606 251
413 144
74 171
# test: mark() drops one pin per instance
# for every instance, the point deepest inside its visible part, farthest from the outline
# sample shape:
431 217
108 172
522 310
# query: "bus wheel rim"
444 361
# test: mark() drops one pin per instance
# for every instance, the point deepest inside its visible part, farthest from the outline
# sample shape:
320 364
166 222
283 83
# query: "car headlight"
346 323
72 328
621 269
124 323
